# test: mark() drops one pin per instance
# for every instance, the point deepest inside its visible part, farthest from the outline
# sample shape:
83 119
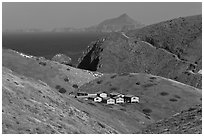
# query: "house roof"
83 92
107 98
130 95
99 92
114 93
117 97
97 97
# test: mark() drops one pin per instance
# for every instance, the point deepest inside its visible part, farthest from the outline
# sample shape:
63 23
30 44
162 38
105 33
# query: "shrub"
113 76
173 100
164 93
75 85
147 111
62 90
66 79
137 83
42 63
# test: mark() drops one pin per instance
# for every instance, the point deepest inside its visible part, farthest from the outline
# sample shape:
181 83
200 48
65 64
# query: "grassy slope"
52 73
32 72
30 106
159 98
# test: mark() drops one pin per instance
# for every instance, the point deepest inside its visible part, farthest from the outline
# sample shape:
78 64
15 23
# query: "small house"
95 99
102 94
108 100
131 98
119 99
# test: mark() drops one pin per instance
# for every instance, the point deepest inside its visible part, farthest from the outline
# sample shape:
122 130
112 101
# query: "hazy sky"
52 15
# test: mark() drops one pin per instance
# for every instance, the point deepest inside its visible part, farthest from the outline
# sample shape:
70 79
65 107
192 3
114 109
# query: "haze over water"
49 44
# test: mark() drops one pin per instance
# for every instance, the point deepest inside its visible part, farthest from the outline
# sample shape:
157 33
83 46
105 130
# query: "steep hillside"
51 72
172 49
36 98
31 106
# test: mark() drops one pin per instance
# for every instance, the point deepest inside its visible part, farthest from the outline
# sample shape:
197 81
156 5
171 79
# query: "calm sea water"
49 44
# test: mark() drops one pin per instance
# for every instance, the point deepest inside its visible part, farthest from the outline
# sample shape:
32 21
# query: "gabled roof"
130 95
97 97
114 93
117 97
83 92
107 98
99 92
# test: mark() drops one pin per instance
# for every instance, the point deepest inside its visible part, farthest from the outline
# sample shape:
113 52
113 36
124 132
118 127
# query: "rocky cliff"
172 49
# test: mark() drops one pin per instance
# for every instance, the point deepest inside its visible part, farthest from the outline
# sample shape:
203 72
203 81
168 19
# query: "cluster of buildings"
108 98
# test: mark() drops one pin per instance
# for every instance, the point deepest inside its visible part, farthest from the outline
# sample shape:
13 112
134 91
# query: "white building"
102 94
97 99
131 98
119 100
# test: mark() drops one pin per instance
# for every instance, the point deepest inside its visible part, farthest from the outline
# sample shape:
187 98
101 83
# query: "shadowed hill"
172 49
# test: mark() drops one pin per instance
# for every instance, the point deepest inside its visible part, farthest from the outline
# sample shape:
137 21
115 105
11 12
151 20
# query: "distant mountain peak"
120 23
123 15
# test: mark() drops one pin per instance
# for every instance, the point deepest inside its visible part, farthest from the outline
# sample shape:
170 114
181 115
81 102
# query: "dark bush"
164 93
99 82
42 63
137 83
173 100
113 76
123 109
147 111
66 79
62 90
75 85
152 78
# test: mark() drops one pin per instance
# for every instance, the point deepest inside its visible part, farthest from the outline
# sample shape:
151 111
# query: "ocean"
49 44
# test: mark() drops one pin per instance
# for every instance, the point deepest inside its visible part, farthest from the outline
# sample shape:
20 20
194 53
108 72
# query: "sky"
25 15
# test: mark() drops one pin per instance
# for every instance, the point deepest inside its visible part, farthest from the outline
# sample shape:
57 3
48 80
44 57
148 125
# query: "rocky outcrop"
63 59
171 49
